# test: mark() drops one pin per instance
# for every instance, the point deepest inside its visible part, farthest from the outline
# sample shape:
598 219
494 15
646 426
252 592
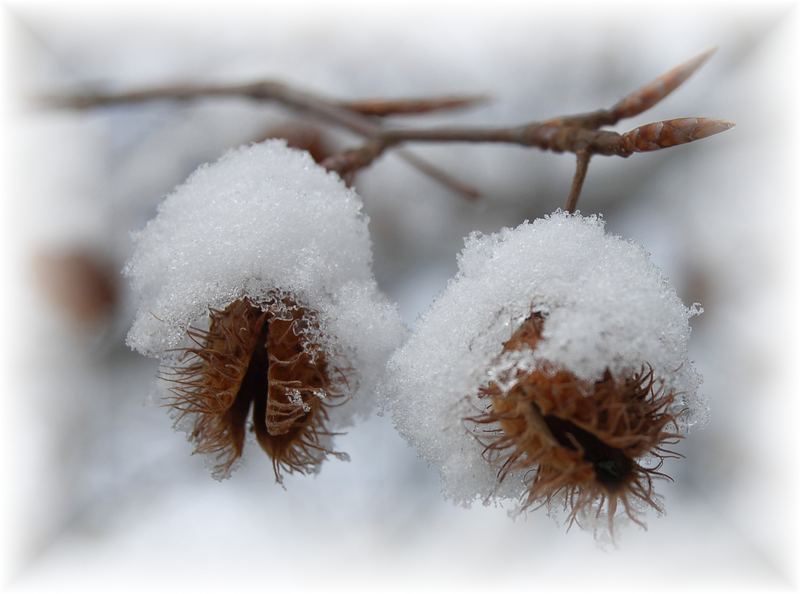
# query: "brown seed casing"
251 359
577 439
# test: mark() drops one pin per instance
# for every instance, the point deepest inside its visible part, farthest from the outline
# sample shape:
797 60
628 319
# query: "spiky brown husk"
252 359
577 439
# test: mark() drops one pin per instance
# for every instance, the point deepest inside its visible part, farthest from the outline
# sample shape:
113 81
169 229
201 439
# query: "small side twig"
456 185
581 167
388 107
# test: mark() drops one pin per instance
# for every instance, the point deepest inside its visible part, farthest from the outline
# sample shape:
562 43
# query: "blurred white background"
101 494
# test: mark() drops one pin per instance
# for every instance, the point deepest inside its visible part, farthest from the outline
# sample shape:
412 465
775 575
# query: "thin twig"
543 135
581 167
439 175
387 107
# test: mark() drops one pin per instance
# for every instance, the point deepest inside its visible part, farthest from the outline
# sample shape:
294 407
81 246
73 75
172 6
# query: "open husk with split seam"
552 371
256 294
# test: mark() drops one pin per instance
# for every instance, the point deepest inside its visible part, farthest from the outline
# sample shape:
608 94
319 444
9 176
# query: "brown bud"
647 96
658 135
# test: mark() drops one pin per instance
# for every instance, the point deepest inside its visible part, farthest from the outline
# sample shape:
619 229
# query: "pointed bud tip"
692 65
709 127
705 55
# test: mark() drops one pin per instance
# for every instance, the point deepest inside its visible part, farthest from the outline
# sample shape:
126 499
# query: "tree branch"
543 135
579 134
344 114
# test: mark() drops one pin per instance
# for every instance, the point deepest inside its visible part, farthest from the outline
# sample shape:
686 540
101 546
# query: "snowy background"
100 492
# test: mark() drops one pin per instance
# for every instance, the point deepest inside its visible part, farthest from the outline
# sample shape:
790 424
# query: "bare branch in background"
579 134
344 114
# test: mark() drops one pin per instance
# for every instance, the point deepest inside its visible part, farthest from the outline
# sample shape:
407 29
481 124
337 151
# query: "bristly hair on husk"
261 360
576 440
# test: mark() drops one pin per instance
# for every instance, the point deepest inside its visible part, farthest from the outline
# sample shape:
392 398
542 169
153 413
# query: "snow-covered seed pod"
583 438
552 370
256 294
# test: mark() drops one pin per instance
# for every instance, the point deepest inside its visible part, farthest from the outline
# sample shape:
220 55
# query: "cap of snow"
607 306
264 220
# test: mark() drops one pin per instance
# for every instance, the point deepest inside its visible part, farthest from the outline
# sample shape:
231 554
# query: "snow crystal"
607 306
264 221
